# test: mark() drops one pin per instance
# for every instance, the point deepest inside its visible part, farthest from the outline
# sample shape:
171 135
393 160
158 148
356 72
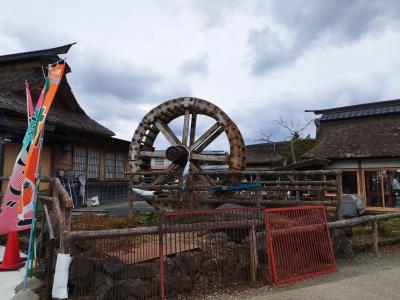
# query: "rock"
132 289
342 244
100 283
188 262
208 266
114 266
219 237
26 295
140 271
80 268
179 283
34 284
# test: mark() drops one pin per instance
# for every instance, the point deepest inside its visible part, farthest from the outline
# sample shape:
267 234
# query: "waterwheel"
187 145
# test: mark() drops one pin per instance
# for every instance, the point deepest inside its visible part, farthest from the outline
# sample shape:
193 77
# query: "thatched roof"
266 153
65 112
351 132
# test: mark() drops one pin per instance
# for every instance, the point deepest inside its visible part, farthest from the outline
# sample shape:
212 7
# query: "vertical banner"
13 201
29 186
9 206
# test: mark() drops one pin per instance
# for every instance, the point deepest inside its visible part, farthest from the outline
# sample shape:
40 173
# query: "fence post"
375 236
161 252
253 255
130 203
339 196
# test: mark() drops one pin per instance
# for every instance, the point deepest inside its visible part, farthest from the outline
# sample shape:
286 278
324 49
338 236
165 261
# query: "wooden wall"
10 155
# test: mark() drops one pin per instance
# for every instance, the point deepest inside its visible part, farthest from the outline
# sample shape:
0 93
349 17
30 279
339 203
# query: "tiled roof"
359 111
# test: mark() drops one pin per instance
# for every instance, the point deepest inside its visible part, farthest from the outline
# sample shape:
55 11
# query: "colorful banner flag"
30 178
9 207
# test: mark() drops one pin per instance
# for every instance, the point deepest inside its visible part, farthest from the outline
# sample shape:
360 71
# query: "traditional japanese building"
364 142
73 141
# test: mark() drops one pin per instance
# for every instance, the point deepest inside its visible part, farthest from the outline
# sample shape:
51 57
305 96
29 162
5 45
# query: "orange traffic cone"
11 259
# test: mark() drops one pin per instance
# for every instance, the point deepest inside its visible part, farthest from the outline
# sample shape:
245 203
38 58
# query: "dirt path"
365 278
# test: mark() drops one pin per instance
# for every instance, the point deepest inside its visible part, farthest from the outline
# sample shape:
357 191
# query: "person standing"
396 190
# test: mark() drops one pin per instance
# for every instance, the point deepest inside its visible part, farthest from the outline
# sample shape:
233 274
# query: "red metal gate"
299 243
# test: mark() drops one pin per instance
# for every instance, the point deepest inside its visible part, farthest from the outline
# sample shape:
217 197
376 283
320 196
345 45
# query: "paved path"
9 280
365 278
372 286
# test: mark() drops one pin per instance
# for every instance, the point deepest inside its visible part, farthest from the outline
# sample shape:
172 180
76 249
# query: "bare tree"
265 136
295 128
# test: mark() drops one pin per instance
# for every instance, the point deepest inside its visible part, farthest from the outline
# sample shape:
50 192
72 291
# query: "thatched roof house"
370 130
65 113
73 140
266 155
363 141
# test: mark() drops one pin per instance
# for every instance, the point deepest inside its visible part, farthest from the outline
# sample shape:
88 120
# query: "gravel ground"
366 277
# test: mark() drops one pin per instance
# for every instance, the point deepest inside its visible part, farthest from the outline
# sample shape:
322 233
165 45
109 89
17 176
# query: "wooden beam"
193 128
167 132
212 158
375 237
155 153
339 196
204 137
210 139
246 172
185 132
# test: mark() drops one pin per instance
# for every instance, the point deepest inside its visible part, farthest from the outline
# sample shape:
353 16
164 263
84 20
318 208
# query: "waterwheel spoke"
167 132
163 178
155 153
210 139
193 128
197 168
185 132
205 136
210 158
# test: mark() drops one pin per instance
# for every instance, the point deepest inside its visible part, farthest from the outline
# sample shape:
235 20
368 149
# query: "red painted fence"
298 242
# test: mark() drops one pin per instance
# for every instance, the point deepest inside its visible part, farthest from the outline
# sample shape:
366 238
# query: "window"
80 160
110 166
93 170
349 179
119 166
159 161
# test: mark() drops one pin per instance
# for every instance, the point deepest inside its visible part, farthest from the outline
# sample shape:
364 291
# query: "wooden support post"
375 236
49 270
253 255
130 203
339 196
161 252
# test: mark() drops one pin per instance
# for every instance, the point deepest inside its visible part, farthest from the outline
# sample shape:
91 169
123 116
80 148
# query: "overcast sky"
256 60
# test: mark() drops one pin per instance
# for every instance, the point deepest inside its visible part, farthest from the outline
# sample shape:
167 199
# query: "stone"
188 262
26 295
342 244
144 271
34 284
208 266
114 266
100 283
180 283
132 289
80 268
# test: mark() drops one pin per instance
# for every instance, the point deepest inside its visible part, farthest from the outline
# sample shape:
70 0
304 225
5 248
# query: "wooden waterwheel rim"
141 150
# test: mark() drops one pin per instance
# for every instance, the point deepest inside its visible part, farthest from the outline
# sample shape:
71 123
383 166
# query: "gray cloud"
195 66
292 106
307 23
124 81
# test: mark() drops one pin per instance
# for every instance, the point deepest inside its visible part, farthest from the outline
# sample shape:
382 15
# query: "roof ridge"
349 108
36 53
